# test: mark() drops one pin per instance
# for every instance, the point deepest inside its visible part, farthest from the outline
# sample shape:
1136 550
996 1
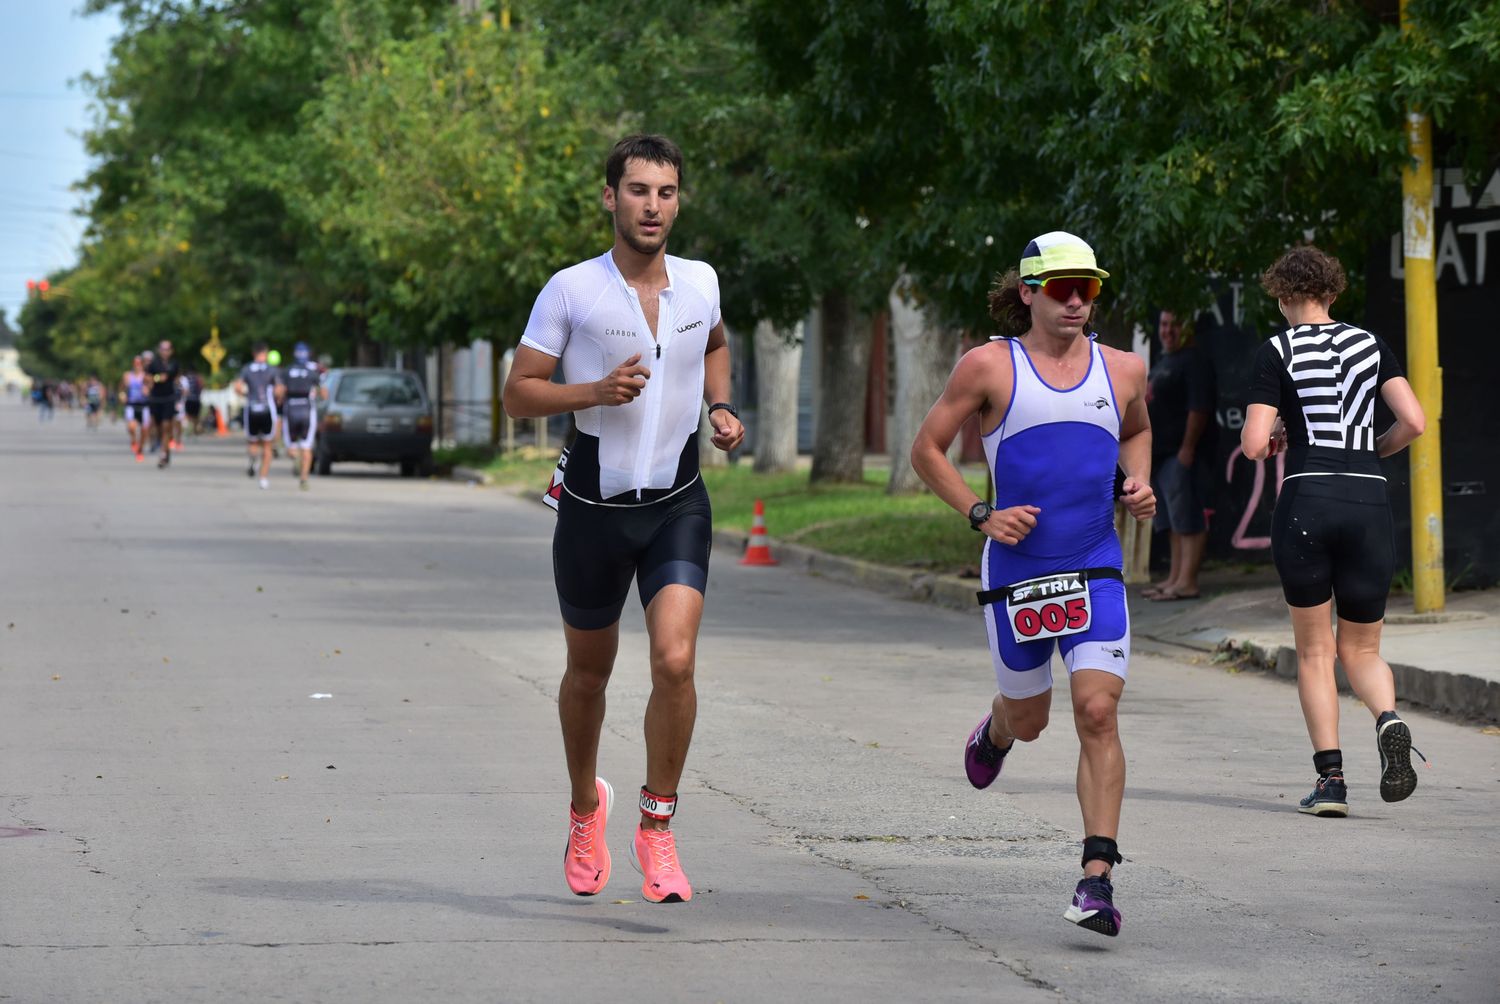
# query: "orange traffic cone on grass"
759 550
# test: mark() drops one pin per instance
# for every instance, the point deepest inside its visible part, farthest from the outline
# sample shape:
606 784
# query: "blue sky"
44 47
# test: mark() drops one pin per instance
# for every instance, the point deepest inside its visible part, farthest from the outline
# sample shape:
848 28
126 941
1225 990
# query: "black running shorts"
597 549
1333 536
259 424
163 410
297 422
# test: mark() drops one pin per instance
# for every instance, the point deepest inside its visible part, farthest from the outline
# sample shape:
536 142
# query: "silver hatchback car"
379 415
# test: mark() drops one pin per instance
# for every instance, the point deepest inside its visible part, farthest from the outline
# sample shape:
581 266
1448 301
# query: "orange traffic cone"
759 551
221 429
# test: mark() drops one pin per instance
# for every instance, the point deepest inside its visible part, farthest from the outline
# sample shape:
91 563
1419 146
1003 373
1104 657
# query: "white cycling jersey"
588 317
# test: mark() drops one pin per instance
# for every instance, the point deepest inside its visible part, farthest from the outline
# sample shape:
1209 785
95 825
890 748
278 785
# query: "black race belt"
998 594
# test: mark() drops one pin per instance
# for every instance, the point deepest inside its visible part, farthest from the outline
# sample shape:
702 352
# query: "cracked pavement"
181 820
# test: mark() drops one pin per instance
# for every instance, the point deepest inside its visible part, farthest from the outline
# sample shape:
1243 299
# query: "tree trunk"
924 354
778 362
843 372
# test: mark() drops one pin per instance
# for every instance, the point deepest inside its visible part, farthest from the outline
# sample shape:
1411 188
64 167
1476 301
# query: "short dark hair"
1305 273
641 146
258 348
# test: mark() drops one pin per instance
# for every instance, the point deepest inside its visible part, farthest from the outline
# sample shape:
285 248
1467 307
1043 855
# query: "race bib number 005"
1050 606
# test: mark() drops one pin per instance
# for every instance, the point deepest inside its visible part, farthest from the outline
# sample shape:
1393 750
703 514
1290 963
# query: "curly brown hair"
1305 273
1013 316
1011 313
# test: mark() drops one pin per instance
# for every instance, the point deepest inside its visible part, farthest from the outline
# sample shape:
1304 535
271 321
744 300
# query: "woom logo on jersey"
690 327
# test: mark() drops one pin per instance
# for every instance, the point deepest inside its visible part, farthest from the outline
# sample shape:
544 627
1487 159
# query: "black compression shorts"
297 422
1333 536
597 549
163 410
259 424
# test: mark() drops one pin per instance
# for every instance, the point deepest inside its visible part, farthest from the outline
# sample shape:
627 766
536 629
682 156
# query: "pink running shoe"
654 854
586 860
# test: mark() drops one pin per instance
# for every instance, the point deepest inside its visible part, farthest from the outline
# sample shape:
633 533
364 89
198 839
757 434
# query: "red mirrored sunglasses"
1062 287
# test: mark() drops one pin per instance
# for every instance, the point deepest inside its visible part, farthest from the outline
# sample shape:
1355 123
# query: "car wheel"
424 466
322 464
408 468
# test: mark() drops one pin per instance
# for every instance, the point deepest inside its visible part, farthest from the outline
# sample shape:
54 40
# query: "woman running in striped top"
1313 394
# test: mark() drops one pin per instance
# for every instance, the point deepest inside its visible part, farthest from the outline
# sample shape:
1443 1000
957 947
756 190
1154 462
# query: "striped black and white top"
1323 379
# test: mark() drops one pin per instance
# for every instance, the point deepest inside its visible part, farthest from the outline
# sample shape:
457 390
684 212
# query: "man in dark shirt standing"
161 382
1181 402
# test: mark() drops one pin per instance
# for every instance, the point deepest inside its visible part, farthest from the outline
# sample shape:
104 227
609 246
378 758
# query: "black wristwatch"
978 513
723 406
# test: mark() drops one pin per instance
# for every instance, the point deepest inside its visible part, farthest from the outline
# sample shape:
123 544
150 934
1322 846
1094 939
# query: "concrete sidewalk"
1447 662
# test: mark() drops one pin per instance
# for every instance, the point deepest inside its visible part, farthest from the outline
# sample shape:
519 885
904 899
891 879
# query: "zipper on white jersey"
652 395
651 425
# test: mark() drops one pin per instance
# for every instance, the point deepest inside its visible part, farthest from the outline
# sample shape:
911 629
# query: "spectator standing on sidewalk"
1181 401
1313 394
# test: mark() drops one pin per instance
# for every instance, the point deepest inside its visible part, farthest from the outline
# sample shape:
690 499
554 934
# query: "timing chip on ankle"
658 807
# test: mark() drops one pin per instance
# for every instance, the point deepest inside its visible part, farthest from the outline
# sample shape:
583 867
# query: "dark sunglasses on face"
1062 287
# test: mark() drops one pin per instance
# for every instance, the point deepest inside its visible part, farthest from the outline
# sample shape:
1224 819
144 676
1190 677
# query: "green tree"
455 163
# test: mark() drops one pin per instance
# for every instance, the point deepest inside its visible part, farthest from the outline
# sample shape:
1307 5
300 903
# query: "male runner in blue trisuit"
1052 570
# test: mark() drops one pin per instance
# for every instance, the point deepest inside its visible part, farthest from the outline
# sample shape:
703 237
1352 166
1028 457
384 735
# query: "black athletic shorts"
297 422
1333 536
163 410
598 549
135 411
259 424
193 408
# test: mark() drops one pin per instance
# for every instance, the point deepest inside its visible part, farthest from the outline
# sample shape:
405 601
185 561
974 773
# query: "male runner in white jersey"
1052 569
642 346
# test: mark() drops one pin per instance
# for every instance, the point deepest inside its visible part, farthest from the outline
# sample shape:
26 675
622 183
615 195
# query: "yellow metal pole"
1422 359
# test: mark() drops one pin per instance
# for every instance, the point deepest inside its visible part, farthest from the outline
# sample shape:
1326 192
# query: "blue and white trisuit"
1056 449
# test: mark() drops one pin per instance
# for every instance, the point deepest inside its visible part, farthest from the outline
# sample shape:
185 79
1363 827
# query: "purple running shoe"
1094 906
982 758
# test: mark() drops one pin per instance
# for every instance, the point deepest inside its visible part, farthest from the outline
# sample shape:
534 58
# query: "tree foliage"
402 170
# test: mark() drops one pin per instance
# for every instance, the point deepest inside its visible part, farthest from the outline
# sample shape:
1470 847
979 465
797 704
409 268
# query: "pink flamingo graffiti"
1239 539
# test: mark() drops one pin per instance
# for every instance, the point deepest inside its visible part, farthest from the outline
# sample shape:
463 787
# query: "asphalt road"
181 820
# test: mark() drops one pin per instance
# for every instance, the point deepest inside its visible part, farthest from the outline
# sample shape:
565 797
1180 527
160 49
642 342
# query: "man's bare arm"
530 393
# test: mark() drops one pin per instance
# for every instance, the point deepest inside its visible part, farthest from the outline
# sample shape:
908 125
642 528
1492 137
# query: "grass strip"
852 520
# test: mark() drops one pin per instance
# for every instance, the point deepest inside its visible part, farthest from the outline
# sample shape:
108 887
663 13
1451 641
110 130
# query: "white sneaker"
265 483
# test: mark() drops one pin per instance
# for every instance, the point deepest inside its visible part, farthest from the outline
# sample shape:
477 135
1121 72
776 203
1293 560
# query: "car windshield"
380 389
